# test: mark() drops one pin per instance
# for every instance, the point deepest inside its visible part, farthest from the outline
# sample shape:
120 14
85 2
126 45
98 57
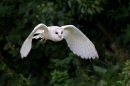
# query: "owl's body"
49 35
76 40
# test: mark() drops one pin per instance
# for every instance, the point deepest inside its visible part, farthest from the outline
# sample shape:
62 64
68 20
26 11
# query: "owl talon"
43 40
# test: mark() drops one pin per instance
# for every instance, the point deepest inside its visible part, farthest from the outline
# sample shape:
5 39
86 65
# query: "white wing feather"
79 43
26 47
39 31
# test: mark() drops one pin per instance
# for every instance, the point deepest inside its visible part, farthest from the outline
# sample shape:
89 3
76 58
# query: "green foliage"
13 78
59 78
105 23
124 79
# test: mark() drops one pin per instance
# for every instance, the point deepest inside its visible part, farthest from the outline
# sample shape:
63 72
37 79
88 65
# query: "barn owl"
78 43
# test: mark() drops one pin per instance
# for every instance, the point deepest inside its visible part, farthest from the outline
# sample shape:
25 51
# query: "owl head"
57 34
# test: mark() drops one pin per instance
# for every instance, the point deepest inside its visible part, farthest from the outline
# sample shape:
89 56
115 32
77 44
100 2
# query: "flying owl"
78 43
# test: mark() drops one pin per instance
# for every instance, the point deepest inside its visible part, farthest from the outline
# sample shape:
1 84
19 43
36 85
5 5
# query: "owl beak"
59 36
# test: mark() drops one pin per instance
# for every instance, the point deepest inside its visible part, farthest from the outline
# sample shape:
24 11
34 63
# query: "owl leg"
43 40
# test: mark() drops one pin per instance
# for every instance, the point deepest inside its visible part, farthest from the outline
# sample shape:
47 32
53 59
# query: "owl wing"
38 34
79 43
26 47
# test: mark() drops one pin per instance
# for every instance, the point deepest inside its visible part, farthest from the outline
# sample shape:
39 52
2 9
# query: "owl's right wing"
79 43
26 47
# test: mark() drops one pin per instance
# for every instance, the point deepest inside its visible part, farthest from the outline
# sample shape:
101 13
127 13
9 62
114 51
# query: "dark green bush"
105 23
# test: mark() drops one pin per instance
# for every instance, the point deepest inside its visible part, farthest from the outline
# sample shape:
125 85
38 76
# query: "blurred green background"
105 22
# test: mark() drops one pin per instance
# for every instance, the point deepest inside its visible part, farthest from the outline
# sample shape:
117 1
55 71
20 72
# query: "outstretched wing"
79 43
38 34
26 47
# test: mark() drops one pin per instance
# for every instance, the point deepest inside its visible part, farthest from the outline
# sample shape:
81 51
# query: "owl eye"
62 32
56 32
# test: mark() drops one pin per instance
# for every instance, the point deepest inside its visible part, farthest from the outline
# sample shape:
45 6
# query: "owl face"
58 34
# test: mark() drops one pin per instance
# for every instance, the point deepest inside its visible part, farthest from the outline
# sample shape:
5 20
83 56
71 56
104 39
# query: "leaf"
82 10
69 3
99 70
50 9
102 83
114 69
90 11
30 4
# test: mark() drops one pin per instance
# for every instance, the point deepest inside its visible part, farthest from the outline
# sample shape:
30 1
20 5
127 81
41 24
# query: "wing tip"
22 57
95 56
22 54
90 57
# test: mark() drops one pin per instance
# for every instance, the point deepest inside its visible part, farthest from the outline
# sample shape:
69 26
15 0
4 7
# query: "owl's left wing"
79 43
26 47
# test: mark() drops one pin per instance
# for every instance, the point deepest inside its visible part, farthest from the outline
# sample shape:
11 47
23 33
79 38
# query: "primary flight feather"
78 43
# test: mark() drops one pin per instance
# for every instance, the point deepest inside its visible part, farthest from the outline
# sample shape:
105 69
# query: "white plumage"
76 40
